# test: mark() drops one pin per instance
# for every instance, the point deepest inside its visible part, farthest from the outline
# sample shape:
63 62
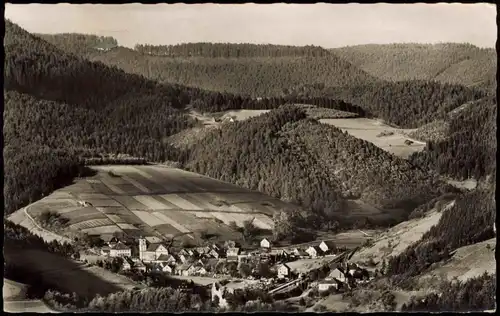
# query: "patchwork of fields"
156 201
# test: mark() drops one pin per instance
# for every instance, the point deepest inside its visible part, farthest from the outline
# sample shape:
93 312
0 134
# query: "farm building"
327 246
284 270
313 251
152 251
265 243
120 250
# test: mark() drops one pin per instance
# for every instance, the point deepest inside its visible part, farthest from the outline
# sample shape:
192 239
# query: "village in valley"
282 272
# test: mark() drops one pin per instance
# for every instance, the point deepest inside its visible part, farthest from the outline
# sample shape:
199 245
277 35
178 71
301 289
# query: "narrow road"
55 236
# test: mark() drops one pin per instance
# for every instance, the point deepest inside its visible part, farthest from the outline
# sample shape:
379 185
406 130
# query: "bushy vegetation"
476 294
463 64
164 299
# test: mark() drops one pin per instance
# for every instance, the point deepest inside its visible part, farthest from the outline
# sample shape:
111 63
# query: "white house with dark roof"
313 251
265 243
284 270
327 246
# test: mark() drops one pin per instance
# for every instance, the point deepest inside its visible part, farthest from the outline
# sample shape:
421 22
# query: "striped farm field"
92 223
181 203
203 214
184 218
102 230
126 226
83 214
104 203
150 202
130 202
167 229
148 218
116 219
167 220
92 196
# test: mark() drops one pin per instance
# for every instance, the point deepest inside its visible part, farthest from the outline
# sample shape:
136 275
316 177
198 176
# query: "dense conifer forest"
462 64
469 148
311 164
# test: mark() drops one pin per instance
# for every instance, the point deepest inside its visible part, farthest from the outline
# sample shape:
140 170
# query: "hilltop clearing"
283 142
463 64
393 140
153 201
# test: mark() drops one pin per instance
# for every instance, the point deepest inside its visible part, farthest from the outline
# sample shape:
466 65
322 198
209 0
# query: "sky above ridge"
327 25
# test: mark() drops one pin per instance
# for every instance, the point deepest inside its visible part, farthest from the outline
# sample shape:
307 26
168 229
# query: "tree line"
79 44
229 50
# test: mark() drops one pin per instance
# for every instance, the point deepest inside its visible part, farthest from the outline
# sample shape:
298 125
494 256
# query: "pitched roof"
163 257
154 246
329 243
120 246
184 266
286 265
315 248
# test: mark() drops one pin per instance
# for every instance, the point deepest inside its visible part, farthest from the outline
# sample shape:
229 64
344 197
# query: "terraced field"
156 201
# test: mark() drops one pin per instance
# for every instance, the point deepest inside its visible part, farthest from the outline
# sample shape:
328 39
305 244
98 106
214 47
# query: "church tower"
142 247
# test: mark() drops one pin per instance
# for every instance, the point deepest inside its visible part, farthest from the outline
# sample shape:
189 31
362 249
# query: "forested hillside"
469 221
407 104
79 43
317 166
463 64
469 148
253 76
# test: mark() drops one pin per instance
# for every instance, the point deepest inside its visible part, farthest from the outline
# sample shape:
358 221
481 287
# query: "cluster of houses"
156 256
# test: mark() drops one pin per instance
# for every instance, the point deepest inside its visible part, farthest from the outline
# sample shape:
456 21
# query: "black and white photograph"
251 158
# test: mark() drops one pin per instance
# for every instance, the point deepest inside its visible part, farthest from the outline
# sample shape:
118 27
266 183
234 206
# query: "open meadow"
152 201
372 130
